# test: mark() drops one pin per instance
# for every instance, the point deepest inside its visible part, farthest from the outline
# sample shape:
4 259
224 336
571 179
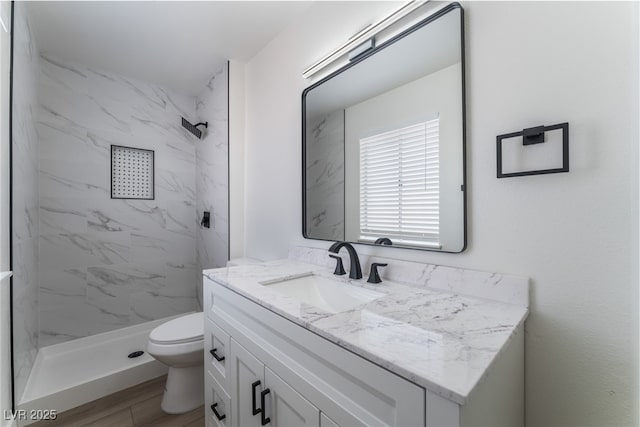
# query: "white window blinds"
399 185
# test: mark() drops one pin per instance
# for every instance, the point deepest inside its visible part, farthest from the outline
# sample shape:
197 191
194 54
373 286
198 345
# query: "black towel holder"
530 136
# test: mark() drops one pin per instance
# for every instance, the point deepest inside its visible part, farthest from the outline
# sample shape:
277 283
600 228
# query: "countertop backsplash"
495 286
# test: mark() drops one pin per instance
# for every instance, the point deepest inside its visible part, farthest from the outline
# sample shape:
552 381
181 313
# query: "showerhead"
194 128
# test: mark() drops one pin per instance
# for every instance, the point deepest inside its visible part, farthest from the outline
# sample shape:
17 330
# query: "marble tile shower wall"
212 178
107 263
25 199
325 177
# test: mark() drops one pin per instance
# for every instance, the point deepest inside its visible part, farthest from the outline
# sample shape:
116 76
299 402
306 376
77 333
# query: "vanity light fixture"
362 49
363 35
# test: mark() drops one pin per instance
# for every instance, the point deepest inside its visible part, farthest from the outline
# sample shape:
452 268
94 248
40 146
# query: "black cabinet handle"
264 420
213 353
215 412
254 407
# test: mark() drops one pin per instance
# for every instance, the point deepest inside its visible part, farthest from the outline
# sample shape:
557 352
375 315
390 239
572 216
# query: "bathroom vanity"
279 352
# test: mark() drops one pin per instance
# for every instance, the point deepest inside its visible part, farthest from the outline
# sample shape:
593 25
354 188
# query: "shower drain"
135 354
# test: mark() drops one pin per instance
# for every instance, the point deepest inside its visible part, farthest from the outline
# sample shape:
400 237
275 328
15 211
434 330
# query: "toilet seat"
183 330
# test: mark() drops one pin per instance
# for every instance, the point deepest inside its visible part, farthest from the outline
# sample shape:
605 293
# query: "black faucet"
355 272
383 241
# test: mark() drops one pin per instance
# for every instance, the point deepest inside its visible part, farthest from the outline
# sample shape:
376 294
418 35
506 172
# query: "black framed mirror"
383 143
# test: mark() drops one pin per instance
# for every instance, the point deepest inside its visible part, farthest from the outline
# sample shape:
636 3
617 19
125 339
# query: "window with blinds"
399 185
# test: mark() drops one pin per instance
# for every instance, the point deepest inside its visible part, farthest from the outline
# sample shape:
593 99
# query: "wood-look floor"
137 406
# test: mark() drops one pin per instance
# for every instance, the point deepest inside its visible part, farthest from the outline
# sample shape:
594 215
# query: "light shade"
363 35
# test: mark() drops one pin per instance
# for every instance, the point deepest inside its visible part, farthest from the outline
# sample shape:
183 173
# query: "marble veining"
505 288
443 341
212 177
325 177
108 263
25 230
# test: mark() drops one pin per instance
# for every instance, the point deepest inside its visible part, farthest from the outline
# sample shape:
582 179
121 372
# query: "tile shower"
85 263
25 231
325 177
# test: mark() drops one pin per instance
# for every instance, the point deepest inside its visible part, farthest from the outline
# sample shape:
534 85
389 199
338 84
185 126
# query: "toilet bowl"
179 344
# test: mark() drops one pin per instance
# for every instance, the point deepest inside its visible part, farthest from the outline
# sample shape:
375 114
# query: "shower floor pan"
73 373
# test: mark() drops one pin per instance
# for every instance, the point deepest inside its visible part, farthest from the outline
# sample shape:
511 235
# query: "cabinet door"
245 371
216 345
286 407
217 403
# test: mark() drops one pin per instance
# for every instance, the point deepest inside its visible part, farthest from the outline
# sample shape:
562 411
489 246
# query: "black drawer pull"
213 353
265 420
254 407
215 412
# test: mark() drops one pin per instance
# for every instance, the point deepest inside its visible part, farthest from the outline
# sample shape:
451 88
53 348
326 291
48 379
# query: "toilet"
179 344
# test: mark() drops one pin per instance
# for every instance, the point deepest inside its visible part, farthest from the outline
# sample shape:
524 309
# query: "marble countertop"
442 341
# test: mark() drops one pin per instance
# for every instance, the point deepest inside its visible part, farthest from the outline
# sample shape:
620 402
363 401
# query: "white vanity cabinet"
288 406
307 375
268 370
261 397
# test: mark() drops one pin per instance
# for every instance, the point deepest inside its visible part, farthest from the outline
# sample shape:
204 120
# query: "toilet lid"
184 329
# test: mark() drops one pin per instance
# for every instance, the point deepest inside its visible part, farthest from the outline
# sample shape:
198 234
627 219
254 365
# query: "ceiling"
178 44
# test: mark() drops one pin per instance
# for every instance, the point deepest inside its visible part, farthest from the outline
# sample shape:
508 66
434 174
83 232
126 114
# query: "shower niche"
132 173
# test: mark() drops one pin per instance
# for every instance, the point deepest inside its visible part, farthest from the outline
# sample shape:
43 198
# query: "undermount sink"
327 294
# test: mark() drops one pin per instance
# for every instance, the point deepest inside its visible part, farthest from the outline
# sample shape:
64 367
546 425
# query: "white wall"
5 46
274 84
236 159
527 64
5 331
634 159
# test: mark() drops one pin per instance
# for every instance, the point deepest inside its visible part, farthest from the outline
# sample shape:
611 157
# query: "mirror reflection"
383 143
